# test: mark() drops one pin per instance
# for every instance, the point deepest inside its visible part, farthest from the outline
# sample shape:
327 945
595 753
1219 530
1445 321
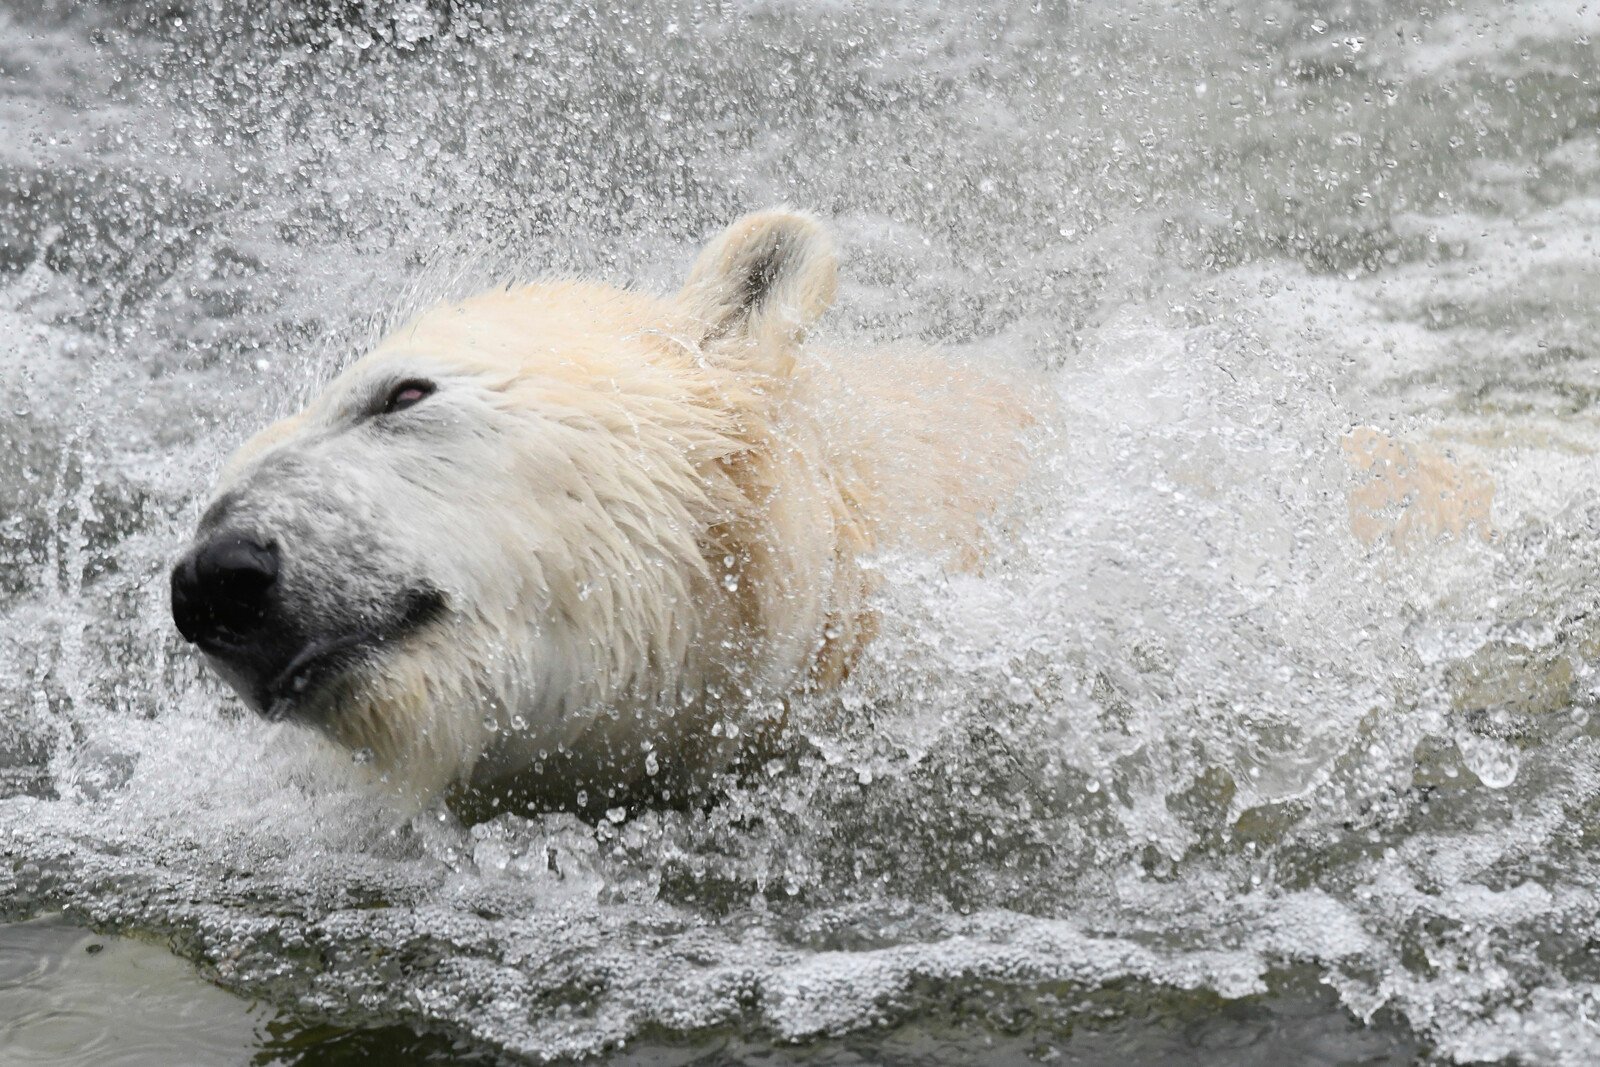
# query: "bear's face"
340 533
504 517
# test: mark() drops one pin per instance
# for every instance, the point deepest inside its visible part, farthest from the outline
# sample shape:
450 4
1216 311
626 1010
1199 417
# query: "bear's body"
603 538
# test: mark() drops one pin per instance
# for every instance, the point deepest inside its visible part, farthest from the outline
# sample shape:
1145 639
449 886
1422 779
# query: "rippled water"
70 996
1189 753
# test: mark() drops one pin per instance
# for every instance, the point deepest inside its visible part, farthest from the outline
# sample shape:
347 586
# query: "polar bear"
569 543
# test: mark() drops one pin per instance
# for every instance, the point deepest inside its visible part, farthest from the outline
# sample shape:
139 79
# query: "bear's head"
514 510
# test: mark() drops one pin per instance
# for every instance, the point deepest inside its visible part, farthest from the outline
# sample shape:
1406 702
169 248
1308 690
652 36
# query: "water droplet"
1495 762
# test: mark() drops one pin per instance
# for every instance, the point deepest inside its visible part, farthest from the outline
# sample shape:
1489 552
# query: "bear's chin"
309 681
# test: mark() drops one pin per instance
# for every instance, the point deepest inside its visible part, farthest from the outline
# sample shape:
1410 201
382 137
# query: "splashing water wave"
1186 736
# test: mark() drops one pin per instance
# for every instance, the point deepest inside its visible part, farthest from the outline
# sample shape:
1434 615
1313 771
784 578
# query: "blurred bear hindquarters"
1409 494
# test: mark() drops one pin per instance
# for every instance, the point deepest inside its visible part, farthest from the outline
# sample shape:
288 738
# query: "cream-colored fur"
649 517
1411 494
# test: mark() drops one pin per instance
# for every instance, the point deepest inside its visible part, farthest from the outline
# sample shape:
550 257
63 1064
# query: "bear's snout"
277 636
220 590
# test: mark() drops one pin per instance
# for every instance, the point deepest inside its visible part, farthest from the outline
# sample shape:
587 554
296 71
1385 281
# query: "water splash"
1183 736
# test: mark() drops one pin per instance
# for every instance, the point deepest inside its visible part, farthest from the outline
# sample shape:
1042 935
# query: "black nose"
220 590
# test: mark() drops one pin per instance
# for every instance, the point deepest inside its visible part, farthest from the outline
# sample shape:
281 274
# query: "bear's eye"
407 393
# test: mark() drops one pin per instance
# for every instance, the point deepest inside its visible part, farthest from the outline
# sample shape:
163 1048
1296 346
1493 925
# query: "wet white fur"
647 515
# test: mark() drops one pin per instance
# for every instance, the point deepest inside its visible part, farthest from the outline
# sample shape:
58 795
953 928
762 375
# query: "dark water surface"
71 996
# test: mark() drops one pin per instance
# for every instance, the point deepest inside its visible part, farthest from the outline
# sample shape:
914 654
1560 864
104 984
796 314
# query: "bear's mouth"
323 660
283 686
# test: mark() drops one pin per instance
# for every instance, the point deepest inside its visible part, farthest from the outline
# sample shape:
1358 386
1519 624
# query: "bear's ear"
768 276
